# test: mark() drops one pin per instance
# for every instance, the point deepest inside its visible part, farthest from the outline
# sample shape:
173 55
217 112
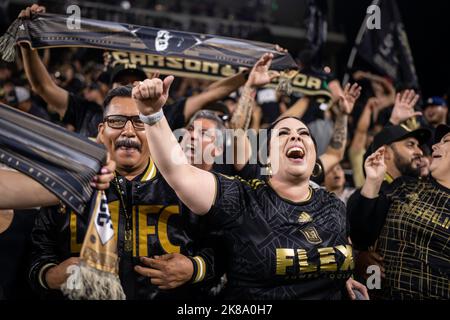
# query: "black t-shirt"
85 115
278 249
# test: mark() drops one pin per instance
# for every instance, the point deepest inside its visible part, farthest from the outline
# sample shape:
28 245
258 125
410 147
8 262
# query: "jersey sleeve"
229 204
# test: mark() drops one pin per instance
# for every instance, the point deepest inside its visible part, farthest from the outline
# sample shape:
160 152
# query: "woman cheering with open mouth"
282 239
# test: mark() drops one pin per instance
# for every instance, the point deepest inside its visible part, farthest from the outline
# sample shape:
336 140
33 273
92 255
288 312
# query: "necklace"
128 238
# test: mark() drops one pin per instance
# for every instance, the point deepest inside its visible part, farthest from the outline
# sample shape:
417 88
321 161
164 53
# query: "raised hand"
374 166
260 74
151 95
35 8
348 98
404 107
101 181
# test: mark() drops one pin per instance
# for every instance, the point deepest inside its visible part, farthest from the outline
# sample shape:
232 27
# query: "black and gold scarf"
170 52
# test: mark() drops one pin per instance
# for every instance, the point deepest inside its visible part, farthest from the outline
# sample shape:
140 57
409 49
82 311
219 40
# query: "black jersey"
160 225
414 218
278 249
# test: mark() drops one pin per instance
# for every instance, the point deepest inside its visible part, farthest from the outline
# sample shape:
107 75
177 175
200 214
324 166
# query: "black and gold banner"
175 52
62 161
199 69
50 30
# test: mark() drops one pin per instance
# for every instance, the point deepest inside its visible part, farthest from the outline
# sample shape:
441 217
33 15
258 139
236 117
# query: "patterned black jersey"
278 249
415 241
414 218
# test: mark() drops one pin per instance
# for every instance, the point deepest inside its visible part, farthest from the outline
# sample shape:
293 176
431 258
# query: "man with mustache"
146 213
160 244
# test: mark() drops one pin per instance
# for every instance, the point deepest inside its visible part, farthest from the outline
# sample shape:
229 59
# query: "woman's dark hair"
269 135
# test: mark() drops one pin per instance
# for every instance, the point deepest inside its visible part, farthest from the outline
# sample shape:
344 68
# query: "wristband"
152 118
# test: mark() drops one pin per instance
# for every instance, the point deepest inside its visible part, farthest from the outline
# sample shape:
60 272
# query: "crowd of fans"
75 88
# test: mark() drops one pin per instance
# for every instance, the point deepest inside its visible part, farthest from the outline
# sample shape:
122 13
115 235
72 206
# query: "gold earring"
317 171
269 169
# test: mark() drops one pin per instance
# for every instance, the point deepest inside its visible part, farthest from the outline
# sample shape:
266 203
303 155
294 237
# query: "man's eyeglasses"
119 121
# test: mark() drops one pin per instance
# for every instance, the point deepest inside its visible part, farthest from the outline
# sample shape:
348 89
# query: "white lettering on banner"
103 222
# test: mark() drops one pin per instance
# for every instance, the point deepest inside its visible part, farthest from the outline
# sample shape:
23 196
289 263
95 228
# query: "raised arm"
38 76
21 192
336 149
216 91
367 209
298 109
195 187
18 191
259 76
360 136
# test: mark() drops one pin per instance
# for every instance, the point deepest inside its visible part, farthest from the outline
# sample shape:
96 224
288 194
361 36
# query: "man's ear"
388 154
101 129
217 151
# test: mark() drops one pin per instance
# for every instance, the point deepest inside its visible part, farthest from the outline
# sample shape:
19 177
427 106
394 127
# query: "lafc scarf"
97 275
65 163
180 53
62 161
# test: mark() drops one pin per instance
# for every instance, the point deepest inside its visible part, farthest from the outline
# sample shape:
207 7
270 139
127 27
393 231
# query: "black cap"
441 131
393 134
120 74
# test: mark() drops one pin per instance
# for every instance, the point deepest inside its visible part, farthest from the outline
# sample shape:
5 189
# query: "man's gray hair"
210 115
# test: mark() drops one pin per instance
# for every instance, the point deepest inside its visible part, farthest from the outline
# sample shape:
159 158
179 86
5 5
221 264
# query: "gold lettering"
300 80
304 265
348 263
136 58
427 215
75 246
285 258
163 230
120 57
175 63
447 223
314 83
210 67
114 212
154 59
227 71
327 260
192 65
144 229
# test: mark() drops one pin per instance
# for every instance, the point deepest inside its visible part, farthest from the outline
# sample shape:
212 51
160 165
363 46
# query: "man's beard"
406 167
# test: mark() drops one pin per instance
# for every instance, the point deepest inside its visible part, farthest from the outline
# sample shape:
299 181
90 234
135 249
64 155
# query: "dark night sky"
427 24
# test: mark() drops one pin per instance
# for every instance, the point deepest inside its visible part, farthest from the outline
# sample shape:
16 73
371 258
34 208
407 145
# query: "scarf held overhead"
212 53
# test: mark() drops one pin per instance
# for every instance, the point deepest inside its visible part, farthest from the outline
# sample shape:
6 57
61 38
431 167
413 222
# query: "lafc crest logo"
304 217
311 235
